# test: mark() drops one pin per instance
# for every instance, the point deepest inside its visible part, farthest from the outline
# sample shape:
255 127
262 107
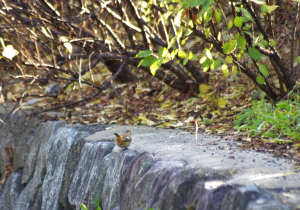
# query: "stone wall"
56 167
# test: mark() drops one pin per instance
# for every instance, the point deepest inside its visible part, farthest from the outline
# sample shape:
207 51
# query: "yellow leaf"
166 104
145 121
181 54
204 88
234 70
225 70
228 59
160 98
215 101
166 124
222 103
170 117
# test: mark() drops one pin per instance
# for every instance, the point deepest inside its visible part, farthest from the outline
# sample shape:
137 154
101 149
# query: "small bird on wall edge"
123 140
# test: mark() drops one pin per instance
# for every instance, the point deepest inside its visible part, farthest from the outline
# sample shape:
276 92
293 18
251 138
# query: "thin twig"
293 38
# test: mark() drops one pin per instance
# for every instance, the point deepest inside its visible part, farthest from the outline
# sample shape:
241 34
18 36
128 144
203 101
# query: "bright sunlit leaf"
225 70
9 52
155 66
204 59
67 44
208 53
181 54
163 52
83 207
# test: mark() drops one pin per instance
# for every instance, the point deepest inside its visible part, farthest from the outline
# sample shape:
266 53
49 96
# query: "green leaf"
255 95
173 40
244 19
239 55
207 31
185 60
191 3
177 62
179 33
297 59
238 22
144 53
212 65
206 65
217 63
163 52
263 69
190 55
218 15
268 9
241 43
83 207
229 46
228 59
260 80
206 7
229 25
208 16
188 32
155 66
97 202
184 40
195 3
148 61
225 70
272 43
254 53
234 70
247 32
238 9
246 13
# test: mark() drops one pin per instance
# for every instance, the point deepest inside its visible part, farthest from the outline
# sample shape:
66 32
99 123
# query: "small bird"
123 140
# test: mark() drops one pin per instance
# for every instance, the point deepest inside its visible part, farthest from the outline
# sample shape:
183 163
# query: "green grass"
279 123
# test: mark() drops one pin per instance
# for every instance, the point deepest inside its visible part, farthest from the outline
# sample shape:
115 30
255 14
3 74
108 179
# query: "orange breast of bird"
123 140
